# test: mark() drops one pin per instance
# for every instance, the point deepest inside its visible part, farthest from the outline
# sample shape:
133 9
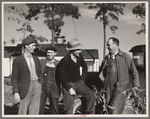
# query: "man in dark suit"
72 73
27 79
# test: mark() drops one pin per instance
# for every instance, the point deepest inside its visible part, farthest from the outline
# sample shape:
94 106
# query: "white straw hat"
74 44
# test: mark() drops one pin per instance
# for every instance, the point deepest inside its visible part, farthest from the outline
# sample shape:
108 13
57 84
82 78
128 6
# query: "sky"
88 29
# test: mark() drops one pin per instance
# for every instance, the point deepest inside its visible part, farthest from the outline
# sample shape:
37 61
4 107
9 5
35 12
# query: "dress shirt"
73 58
50 63
113 55
31 65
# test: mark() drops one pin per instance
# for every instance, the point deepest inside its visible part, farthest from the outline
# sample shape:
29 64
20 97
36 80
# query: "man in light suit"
27 79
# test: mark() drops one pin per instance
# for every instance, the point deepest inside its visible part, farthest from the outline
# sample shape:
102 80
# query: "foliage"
40 38
12 40
26 27
105 11
4 42
138 97
17 14
100 100
139 103
142 30
140 11
53 13
48 10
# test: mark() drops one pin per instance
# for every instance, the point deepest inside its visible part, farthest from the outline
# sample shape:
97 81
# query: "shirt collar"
28 55
116 52
120 52
48 60
73 57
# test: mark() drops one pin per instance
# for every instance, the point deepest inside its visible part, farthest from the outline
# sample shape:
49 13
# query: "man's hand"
17 97
135 90
101 77
72 92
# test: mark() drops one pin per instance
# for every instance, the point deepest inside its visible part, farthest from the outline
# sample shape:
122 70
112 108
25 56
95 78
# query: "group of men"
34 80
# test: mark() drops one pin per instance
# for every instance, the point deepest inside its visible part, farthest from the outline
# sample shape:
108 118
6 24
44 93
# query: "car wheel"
77 106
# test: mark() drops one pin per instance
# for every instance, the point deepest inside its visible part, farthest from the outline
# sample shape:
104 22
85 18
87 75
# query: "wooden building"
10 52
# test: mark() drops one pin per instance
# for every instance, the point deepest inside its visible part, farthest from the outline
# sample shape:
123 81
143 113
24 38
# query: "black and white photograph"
75 59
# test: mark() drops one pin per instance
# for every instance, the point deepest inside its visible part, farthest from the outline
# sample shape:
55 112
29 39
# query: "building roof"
138 48
12 51
61 51
90 53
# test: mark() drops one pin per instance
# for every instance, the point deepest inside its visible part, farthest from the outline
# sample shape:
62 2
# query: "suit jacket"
21 75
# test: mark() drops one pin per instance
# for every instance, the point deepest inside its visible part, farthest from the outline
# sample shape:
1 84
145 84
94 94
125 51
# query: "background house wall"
90 56
6 69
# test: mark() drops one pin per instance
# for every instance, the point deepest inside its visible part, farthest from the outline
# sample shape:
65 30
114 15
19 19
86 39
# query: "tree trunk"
104 50
24 34
52 26
52 37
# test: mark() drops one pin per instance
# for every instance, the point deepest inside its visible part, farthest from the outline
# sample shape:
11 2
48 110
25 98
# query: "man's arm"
15 78
15 75
84 67
40 72
133 71
62 74
101 73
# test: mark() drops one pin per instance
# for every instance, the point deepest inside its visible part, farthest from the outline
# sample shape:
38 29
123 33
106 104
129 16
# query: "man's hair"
115 40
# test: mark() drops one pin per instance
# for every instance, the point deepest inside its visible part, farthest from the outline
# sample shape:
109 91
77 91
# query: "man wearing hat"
72 72
27 79
50 88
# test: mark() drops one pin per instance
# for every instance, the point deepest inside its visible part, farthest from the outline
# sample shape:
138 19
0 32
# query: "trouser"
52 93
118 100
31 103
82 89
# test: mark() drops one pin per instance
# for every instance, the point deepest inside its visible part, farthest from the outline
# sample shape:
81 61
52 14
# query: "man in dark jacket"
27 79
50 88
117 66
72 72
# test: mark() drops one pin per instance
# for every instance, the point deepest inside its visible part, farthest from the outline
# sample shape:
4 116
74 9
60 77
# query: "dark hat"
51 48
28 40
74 44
